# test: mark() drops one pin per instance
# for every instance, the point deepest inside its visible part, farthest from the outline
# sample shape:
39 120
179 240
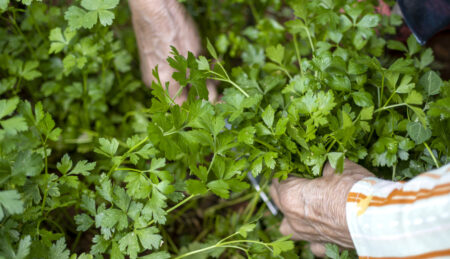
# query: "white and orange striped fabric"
401 220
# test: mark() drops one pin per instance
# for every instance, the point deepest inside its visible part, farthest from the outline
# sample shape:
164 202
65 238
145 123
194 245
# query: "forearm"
388 219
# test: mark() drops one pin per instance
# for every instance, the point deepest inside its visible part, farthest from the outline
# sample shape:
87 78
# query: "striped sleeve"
401 220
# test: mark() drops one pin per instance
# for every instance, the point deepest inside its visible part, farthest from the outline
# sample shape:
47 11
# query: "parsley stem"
248 241
44 146
254 12
331 145
226 245
227 79
210 164
389 107
380 95
394 168
310 40
285 71
181 203
113 169
85 118
196 252
233 84
240 248
432 155
252 206
228 237
297 52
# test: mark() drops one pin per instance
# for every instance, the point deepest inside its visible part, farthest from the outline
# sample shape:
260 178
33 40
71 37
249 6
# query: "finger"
318 249
286 230
303 229
274 193
212 91
289 195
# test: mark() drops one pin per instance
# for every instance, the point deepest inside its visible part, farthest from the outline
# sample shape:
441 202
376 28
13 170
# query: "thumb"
318 249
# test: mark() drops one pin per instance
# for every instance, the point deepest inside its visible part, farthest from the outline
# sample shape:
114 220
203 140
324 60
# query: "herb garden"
94 164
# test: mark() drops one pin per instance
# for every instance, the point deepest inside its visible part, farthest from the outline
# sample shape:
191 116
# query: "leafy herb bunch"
126 169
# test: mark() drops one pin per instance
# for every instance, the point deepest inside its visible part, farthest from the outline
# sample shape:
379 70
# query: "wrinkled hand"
314 210
159 24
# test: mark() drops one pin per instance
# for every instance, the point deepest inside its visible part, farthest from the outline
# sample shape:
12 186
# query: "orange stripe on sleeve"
401 197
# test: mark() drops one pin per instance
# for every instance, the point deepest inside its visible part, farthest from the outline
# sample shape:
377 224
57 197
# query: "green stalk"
432 155
297 52
389 107
310 39
46 172
129 151
393 172
227 245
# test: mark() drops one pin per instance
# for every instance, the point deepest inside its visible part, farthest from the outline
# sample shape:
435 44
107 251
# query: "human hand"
159 24
314 210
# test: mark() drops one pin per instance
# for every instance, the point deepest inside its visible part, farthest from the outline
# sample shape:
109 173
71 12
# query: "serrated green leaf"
88 204
149 237
268 116
137 185
243 230
211 49
396 45
369 21
405 85
332 251
203 63
220 188
83 167
431 82
280 128
4 4
275 53
413 45
84 222
196 187
59 250
281 245
367 113
157 163
336 160
24 248
418 132
362 99
8 106
426 58
340 83
27 163
414 97
129 245
246 135
11 202
65 165
108 147
79 18
14 125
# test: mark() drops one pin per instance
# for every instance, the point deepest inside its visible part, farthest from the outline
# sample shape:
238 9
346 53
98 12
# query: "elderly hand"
314 210
159 24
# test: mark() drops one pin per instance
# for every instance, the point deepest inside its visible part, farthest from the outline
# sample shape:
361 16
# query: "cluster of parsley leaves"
94 164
